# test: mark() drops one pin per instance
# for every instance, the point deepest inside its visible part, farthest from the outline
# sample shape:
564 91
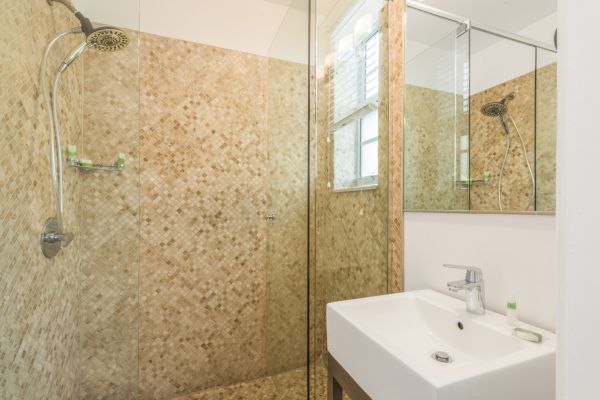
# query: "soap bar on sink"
528 335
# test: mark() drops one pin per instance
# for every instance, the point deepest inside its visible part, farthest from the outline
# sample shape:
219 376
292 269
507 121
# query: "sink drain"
442 356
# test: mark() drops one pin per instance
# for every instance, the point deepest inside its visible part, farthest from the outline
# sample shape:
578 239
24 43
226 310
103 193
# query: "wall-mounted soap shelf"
466 184
75 163
474 182
88 165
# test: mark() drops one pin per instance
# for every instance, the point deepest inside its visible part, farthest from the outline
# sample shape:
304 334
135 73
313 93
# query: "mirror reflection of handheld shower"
500 109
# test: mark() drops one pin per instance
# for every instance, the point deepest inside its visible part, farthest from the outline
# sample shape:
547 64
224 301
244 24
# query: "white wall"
122 13
493 60
578 201
516 252
250 26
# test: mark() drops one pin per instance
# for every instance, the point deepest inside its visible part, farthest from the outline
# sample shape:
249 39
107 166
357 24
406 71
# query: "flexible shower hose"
55 144
532 196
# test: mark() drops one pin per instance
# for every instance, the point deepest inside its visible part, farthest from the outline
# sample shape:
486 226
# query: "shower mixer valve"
52 239
64 238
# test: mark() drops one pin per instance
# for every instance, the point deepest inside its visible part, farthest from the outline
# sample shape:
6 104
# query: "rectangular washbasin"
387 343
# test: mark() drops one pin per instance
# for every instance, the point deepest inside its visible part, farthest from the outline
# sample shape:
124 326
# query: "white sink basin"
386 344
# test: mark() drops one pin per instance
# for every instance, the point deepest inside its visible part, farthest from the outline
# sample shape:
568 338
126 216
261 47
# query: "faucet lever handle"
473 274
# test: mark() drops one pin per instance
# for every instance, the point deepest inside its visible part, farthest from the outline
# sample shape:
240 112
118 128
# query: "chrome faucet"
473 286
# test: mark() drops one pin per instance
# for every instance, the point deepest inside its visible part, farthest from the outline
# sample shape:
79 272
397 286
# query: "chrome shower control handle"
53 237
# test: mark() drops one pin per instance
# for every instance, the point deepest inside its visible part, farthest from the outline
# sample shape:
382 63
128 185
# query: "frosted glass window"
369 134
372 66
353 103
369 159
369 128
346 162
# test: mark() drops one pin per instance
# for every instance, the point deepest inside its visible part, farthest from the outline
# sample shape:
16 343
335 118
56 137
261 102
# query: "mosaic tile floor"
287 386
259 389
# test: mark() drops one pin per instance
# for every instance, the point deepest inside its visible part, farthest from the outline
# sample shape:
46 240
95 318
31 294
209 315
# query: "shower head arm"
509 97
66 3
86 24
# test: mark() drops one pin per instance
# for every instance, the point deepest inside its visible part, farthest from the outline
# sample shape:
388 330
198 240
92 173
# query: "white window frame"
367 106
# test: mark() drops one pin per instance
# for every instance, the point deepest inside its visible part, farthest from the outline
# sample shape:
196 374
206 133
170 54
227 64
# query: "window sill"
357 188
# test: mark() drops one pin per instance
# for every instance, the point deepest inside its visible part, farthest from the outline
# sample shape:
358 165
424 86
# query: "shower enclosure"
199 176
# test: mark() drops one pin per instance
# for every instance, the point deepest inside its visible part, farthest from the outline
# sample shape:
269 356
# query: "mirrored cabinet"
480 118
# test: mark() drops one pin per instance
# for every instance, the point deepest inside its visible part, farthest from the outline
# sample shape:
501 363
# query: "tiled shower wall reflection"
488 146
539 135
546 129
429 174
430 125
39 339
222 292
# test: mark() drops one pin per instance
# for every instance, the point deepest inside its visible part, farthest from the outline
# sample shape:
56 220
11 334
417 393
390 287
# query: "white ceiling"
245 25
508 15
431 44
536 19
262 27
278 28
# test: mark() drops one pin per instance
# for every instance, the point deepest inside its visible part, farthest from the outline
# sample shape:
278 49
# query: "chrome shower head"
494 109
498 108
104 39
107 39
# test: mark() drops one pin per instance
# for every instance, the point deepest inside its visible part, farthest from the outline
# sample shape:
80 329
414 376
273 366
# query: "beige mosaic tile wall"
38 329
110 227
395 31
287 119
352 226
203 232
202 158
